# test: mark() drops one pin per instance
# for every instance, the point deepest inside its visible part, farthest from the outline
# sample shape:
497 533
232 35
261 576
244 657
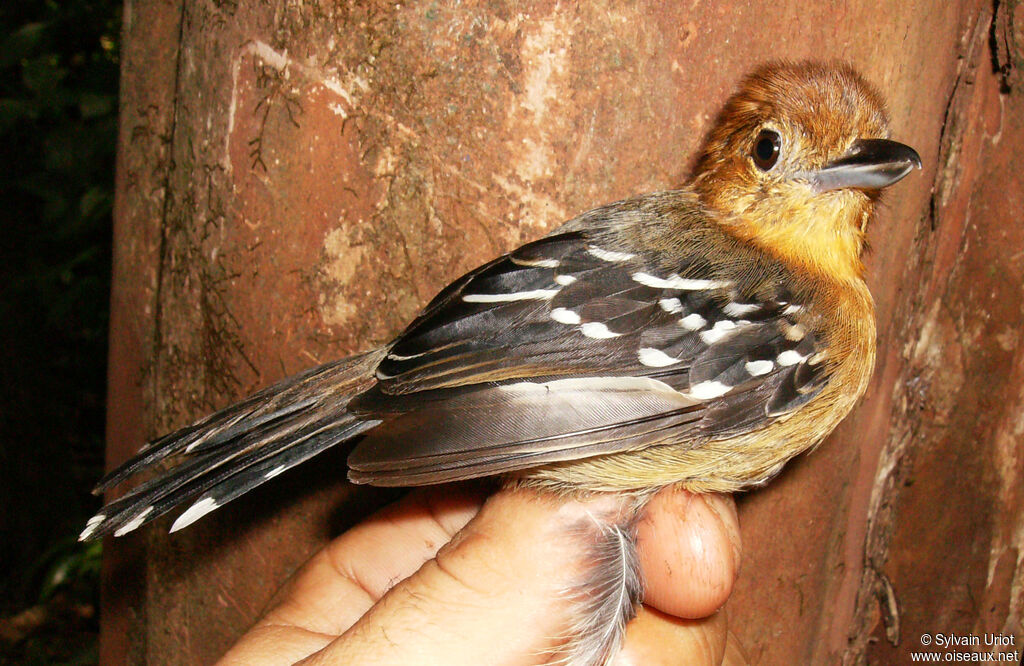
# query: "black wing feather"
564 308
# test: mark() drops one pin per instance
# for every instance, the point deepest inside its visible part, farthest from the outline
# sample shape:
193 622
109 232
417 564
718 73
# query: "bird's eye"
766 149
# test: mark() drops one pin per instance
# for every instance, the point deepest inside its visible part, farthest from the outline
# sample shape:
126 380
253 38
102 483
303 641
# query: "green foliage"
71 565
58 136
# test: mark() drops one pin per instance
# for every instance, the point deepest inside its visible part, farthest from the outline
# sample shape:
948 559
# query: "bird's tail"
238 448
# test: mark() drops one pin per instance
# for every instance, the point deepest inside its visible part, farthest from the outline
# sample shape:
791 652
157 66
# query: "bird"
697 337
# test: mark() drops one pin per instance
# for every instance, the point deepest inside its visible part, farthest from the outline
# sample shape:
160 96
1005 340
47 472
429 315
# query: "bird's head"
796 160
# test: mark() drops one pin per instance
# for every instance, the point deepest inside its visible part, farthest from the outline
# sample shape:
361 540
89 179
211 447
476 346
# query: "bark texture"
296 179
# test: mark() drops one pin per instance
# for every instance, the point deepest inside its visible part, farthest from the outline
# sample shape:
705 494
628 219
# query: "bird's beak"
870 164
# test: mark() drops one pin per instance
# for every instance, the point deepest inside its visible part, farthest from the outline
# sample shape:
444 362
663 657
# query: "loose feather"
606 597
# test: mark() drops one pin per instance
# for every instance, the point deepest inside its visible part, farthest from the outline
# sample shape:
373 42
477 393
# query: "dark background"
58 132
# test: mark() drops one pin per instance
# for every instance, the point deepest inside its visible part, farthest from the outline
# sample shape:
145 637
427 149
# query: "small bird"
701 336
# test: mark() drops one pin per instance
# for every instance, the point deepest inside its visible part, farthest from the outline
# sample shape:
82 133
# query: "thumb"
494 594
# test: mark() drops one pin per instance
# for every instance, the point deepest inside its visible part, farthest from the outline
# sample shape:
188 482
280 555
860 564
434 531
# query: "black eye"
766 149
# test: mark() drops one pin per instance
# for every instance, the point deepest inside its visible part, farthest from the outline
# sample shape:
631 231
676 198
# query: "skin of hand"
452 576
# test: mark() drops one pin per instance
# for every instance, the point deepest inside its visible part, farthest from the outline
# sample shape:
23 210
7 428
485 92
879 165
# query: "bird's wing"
567 348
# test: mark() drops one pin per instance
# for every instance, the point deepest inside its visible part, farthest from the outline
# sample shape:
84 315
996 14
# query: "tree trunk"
297 179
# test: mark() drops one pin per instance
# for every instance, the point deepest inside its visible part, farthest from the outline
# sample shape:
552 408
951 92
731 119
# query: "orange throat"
823 235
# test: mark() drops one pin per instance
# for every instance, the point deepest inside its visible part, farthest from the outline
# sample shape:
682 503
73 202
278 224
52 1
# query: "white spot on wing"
564 316
537 263
758 368
609 255
795 333
655 358
194 513
672 305
564 280
792 309
134 523
740 309
399 357
533 295
708 390
274 472
718 331
91 526
593 329
675 282
789 357
693 322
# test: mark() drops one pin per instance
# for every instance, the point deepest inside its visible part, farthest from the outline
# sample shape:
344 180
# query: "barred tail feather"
235 450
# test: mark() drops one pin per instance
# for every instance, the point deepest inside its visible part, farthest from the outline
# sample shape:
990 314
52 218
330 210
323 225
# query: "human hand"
449 576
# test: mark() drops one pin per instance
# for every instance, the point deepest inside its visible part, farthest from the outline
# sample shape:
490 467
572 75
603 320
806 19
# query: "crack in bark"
158 304
1002 45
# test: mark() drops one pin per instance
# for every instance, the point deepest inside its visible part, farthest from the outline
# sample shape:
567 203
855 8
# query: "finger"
355 570
496 591
654 638
338 585
689 548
